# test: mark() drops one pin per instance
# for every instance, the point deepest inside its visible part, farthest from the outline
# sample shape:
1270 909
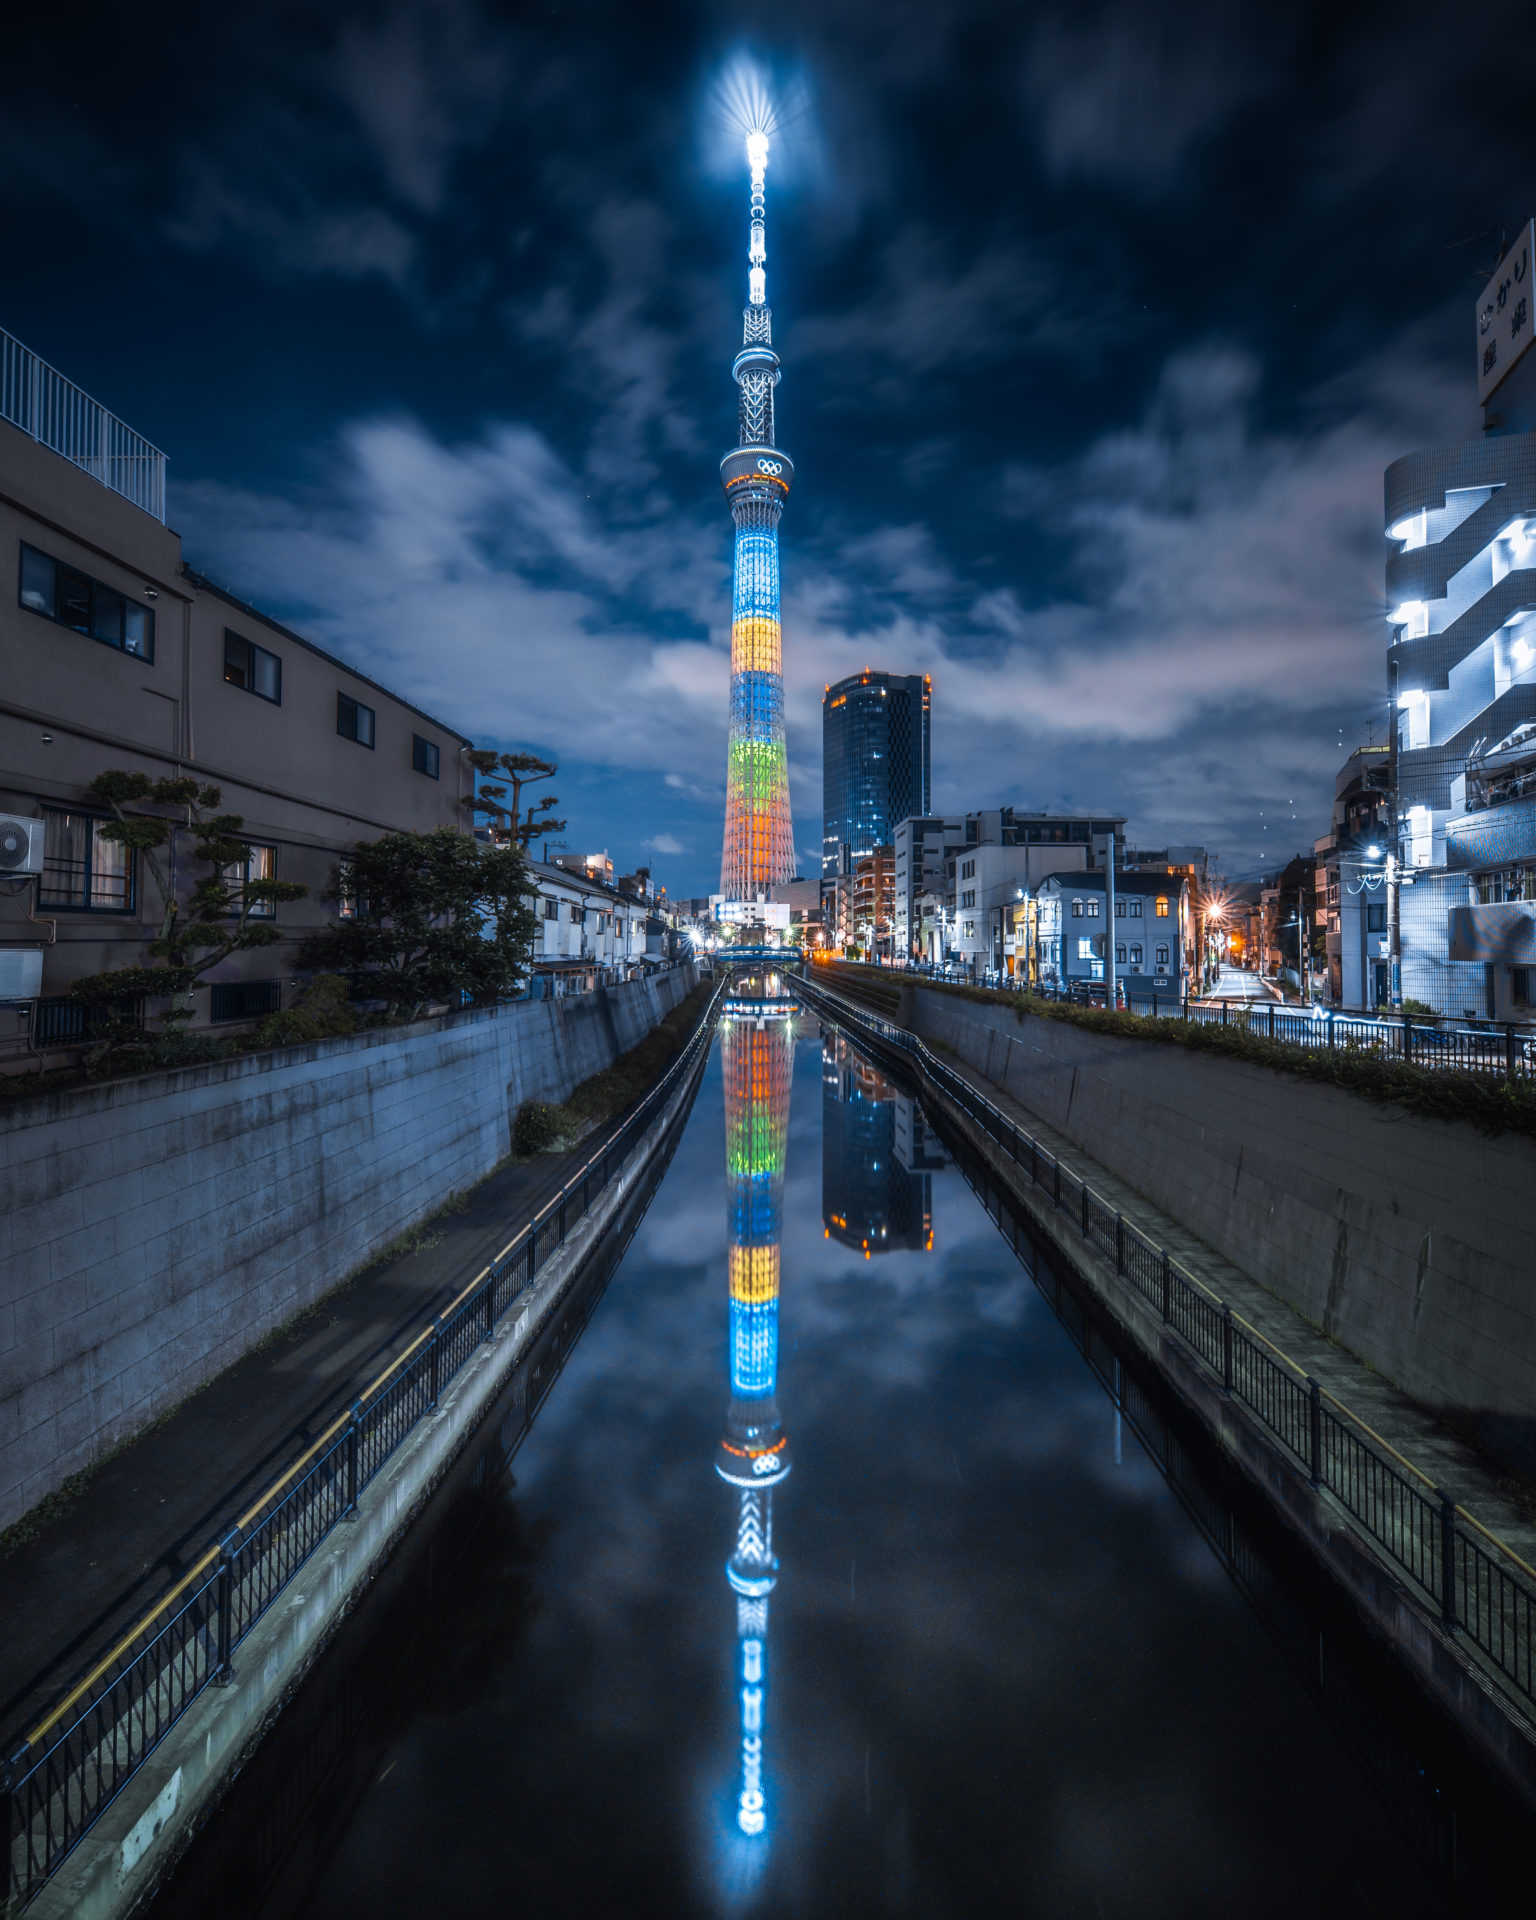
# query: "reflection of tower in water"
876 1190
758 1059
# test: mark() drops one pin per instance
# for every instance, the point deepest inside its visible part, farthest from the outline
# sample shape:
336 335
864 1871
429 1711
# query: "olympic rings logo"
774 467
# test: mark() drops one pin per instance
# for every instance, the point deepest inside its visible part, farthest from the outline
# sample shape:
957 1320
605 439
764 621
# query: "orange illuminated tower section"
759 837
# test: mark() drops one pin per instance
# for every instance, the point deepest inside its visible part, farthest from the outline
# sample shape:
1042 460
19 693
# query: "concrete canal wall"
114 1871
1411 1241
154 1229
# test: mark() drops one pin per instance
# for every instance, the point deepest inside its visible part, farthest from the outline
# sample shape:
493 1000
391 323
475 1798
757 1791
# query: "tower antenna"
757 474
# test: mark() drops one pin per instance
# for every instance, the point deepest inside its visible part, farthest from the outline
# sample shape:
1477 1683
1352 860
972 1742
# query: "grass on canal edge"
1493 1105
543 1128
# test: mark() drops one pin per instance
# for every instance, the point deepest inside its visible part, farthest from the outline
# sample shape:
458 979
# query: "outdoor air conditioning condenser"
21 846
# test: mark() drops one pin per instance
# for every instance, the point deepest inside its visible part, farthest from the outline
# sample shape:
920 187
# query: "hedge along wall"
1410 1240
154 1229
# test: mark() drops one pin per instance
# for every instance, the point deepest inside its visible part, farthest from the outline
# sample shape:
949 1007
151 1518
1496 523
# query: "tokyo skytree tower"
759 840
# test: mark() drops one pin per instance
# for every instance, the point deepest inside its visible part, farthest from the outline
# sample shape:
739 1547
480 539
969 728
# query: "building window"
575 913
354 721
74 600
424 756
1085 947
80 869
260 863
1520 986
252 668
1162 906
1505 883
1136 955
1135 909
244 1000
350 904
1376 918
1093 909
551 909
1120 908
1119 954
1162 958
1077 909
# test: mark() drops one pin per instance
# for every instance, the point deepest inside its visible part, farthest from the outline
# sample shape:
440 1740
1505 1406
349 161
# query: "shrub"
537 1128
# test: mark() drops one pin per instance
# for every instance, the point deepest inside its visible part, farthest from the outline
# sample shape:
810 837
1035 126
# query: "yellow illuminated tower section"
757 475
753 1455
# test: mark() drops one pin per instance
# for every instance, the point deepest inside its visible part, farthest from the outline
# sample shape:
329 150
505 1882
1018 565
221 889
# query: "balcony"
53 410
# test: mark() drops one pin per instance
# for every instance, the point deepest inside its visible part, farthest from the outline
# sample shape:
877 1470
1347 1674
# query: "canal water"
849 1568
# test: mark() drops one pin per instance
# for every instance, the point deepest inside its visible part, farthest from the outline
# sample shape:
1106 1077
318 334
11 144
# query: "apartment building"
116 653
590 933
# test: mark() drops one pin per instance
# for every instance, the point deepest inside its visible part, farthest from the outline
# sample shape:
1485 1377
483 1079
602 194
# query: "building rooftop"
58 414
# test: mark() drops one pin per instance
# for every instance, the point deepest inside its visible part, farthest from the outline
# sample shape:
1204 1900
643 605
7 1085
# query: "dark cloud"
1099 324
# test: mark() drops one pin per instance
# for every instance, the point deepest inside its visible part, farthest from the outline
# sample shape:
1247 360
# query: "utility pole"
1394 934
1106 843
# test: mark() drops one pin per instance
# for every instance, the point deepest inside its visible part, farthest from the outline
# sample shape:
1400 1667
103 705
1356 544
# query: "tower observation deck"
757 474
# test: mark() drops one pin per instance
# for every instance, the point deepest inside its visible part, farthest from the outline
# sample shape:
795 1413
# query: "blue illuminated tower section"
753 1455
759 836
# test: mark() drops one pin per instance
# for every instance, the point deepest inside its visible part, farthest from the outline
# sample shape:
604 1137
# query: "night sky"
1099 325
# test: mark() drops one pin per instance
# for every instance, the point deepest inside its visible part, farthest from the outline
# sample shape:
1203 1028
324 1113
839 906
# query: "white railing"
39 400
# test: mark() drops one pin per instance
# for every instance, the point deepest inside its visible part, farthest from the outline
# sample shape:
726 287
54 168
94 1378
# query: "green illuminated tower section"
759 836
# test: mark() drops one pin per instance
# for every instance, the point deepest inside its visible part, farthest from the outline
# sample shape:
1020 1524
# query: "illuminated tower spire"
759 839
758 1059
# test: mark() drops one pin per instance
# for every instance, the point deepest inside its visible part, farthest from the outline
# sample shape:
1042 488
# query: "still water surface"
830 1581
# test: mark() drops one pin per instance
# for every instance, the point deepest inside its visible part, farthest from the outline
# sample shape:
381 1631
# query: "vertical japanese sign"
1505 313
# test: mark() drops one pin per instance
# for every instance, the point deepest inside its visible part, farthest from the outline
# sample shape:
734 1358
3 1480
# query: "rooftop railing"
38 399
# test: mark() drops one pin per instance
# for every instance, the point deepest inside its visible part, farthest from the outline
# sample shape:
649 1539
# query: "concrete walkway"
92 1567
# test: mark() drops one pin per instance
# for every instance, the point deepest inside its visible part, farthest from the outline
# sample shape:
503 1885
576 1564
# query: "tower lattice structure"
757 474
753 1455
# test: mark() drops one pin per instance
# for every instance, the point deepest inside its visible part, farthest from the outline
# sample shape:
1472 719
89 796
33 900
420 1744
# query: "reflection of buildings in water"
876 1157
758 1059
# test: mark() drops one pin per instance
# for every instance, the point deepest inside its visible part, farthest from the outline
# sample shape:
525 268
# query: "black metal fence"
1478 1586
61 1779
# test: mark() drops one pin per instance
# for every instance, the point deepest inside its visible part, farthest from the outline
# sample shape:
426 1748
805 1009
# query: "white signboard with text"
1505 314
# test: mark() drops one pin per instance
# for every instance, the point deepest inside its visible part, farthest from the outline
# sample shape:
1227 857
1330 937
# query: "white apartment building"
590 935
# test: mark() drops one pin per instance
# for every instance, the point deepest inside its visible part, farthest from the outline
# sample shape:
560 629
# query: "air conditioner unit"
21 973
21 846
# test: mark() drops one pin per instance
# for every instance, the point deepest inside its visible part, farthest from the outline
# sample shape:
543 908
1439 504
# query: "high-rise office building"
875 765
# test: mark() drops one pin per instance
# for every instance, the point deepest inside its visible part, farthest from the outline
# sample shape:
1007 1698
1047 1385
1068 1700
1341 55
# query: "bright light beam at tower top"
757 474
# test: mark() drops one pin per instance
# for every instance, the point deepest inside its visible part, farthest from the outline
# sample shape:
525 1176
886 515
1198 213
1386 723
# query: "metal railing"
1507 1050
38 399
1478 1585
60 1780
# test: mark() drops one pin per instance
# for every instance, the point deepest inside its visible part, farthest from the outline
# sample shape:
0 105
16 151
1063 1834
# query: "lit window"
82 870
1162 906
350 904
1085 947
252 668
260 863
354 721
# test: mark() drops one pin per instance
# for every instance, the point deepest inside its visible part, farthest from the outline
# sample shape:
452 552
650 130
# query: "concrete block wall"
154 1229
1411 1241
